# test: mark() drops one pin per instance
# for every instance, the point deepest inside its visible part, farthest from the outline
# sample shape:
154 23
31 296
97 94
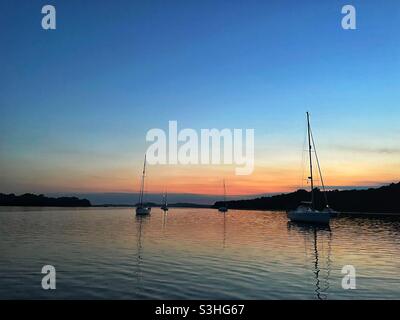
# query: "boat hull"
332 213
142 211
223 209
309 216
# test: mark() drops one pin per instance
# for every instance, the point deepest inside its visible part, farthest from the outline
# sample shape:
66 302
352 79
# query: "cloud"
366 149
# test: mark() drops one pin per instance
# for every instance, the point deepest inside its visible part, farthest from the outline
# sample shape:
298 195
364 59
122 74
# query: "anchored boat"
307 212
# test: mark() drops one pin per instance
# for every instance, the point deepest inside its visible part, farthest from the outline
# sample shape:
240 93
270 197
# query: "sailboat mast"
309 153
224 192
142 186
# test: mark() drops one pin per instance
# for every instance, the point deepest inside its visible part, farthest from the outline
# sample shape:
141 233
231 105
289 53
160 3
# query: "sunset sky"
76 102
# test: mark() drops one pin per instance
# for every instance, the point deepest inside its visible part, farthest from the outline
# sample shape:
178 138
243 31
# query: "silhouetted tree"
385 199
29 199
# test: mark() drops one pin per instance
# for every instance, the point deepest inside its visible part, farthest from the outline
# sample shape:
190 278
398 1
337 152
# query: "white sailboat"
164 206
223 208
141 209
306 212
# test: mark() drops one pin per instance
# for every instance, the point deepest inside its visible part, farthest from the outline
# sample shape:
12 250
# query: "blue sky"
79 100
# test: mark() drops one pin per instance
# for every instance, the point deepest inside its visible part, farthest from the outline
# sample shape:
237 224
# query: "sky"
76 102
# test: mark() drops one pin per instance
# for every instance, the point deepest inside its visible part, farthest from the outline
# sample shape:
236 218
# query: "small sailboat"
141 209
223 208
306 212
164 206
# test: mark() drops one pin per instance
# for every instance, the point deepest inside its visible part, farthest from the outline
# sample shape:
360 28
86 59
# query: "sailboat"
141 209
223 208
164 206
306 212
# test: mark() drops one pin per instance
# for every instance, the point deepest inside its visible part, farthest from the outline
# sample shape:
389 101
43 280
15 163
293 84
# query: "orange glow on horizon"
274 175
207 180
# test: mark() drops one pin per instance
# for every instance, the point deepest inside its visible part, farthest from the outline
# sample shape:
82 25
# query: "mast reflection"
224 232
164 220
140 223
314 231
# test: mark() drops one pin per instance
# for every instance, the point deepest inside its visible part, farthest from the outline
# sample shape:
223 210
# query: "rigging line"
140 191
302 169
144 178
311 164
142 185
319 169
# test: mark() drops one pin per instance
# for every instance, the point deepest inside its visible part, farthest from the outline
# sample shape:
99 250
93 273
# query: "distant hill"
120 198
152 204
33 200
385 199
188 205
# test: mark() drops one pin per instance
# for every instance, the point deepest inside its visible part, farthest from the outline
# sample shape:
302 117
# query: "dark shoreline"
33 200
382 200
374 202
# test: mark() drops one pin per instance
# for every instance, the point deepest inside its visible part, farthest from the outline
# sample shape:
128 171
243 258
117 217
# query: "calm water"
193 253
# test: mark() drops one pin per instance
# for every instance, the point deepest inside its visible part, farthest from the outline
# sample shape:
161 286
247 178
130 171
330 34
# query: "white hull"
309 216
142 211
332 213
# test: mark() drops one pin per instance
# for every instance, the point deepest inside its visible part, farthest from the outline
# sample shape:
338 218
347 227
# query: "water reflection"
328 261
313 231
141 221
164 220
224 232
110 253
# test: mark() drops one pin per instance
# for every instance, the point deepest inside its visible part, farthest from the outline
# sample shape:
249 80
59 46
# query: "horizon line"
328 188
